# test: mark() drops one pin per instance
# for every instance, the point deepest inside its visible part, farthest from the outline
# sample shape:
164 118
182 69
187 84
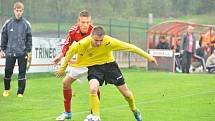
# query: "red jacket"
74 35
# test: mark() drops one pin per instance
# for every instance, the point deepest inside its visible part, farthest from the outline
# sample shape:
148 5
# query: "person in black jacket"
16 44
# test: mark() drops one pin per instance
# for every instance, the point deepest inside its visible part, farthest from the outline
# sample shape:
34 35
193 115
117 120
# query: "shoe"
178 70
6 93
20 95
63 116
137 115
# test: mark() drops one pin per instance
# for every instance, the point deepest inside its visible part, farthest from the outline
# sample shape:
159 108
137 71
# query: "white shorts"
79 73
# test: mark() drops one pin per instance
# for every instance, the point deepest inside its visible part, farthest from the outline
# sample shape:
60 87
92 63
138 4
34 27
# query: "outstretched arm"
119 45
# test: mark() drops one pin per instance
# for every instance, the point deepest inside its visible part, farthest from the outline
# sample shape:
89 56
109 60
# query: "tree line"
67 9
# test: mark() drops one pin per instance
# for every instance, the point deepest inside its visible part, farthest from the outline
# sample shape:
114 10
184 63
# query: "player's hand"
60 73
56 60
153 60
29 59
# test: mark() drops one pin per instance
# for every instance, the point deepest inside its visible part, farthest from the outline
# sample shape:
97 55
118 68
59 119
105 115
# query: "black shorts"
108 73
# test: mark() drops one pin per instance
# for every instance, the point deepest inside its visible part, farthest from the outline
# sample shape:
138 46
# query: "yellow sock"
131 102
95 104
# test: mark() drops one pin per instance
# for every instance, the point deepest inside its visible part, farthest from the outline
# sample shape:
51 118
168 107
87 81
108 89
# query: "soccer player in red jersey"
77 32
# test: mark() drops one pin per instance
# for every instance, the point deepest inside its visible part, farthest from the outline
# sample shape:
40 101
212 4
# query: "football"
91 117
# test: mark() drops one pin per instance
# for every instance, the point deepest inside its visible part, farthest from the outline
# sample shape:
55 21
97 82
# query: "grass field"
161 96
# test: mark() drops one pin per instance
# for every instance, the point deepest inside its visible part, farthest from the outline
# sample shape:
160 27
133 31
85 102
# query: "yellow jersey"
87 55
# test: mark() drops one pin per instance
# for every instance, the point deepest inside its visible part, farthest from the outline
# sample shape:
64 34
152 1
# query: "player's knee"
66 83
93 89
94 86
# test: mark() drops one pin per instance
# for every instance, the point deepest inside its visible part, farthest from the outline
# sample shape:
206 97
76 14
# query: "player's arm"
4 38
73 49
65 47
28 45
28 42
119 45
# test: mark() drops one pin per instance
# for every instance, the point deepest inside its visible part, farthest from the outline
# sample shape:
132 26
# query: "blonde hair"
18 5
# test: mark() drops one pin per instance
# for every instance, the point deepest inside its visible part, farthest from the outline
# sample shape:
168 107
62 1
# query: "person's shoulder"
85 41
91 27
8 21
108 40
107 37
73 29
26 22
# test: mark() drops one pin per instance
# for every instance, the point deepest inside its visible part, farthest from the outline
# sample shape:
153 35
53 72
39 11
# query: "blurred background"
127 20
53 18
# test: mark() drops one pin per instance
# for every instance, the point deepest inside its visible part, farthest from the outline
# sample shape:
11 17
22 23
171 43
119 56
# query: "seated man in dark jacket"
201 56
178 58
163 43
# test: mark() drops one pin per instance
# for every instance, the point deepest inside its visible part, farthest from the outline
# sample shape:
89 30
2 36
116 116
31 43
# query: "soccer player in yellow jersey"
95 52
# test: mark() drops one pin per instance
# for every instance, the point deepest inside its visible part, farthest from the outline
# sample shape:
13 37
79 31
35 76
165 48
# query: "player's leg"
184 61
9 66
95 77
74 74
22 63
67 94
94 99
128 95
114 76
189 60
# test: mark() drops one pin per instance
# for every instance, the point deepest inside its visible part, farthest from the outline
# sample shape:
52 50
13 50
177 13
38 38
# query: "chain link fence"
48 19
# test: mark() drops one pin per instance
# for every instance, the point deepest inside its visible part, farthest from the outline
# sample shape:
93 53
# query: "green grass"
161 96
51 26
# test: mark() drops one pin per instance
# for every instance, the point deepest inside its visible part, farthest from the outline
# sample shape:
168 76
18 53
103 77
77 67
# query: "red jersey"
74 35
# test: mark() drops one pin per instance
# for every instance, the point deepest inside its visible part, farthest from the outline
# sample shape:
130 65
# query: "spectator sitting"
212 41
207 39
210 64
178 59
177 49
162 43
201 56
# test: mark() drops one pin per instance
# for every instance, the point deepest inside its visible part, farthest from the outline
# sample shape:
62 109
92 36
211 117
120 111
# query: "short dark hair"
84 13
178 38
98 31
163 37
